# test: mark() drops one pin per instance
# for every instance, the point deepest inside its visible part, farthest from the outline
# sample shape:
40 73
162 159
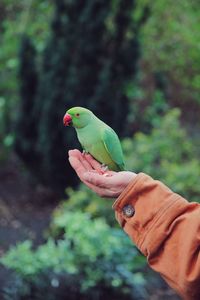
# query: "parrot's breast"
91 141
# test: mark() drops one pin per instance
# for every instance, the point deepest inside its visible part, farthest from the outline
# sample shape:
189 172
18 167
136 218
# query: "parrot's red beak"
67 120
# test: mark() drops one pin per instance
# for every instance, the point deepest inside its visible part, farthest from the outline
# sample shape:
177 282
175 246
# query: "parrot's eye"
77 115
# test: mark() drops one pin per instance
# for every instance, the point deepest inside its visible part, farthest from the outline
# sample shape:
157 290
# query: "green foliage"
170 44
167 154
173 22
16 19
85 200
145 113
92 257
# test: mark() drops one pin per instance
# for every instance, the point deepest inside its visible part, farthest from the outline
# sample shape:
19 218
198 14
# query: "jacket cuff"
152 202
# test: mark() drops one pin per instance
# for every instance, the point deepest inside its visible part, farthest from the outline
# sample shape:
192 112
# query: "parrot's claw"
104 171
84 152
104 168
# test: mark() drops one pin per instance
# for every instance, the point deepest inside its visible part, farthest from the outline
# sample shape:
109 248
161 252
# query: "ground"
25 211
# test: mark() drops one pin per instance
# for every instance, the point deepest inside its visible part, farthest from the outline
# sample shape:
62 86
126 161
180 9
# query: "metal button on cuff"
128 210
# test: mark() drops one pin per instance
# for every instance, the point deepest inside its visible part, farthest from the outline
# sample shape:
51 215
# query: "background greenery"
136 64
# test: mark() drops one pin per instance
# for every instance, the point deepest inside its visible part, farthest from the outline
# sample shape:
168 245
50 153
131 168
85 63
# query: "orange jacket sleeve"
166 229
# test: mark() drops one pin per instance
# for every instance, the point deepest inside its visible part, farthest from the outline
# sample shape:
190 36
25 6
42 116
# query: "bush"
85 200
174 56
90 262
167 154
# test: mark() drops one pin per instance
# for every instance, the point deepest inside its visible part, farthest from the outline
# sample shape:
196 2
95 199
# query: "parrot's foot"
85 152
104 168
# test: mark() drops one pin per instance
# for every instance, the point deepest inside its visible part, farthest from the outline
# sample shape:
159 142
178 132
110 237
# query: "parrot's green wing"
113 146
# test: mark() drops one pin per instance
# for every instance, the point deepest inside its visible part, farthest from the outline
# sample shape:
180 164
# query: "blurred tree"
170 41
91 54
26 127
17 18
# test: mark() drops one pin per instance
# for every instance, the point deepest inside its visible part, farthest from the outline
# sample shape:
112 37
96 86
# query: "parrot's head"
78 117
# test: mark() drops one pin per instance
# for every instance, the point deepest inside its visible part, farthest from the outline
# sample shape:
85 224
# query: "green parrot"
96 137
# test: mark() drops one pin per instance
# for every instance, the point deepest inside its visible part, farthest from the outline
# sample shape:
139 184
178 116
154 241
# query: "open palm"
107 184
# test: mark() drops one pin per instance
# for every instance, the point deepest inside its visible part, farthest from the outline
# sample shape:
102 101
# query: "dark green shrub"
168 154
92 259
85 200
145 111
167 45
26 125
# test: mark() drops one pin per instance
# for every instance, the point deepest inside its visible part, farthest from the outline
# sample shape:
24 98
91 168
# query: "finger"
93 162
85 162
97 180
80 170
74 152
77 166
81 157
96 165
76 161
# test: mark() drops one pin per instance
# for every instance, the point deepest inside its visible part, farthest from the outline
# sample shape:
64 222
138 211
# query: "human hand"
110 184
